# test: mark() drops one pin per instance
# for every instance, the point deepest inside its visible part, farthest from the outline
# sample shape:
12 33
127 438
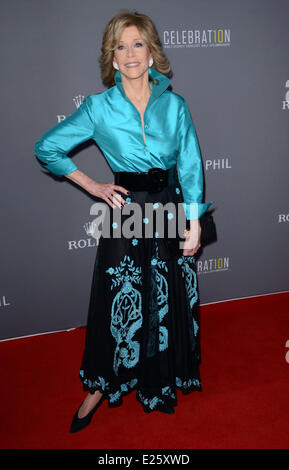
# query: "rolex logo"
283 218
92 239
89 228
78 100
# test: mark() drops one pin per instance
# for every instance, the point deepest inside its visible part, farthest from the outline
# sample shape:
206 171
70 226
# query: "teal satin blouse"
114 123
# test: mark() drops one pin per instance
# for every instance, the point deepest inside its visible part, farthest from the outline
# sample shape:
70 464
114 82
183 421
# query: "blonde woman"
143 326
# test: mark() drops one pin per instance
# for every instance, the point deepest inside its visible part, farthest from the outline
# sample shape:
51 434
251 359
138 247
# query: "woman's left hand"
193 239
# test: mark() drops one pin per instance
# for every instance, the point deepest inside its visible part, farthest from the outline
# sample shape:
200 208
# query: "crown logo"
78 100
89 228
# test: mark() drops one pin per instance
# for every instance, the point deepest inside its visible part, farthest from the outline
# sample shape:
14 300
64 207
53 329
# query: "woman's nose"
130 51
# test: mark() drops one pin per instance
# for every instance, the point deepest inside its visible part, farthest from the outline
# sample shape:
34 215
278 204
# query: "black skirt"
143 328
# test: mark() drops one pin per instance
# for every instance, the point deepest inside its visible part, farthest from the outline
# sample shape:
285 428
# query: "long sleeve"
189 167
52 147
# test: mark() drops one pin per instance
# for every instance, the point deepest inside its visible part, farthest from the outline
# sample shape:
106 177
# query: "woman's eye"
137 44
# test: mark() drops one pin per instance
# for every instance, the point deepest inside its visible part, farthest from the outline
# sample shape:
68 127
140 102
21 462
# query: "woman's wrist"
194 222
195 226
81 179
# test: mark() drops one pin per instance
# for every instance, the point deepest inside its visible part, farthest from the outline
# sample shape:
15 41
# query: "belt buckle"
157 179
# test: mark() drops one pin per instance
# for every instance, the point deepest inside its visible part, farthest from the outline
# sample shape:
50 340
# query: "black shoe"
79 423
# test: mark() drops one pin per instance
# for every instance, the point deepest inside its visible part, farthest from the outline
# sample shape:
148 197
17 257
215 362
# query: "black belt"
154 180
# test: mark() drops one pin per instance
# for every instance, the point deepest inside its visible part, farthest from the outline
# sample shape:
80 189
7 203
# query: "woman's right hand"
108 192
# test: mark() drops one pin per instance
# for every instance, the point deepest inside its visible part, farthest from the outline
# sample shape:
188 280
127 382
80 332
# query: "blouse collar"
157 89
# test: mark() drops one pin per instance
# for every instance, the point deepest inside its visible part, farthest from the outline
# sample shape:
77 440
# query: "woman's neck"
137 89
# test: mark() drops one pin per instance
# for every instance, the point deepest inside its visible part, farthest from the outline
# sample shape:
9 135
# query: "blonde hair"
111 37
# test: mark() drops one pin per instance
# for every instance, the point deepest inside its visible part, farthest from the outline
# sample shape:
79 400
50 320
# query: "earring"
115 65
151 61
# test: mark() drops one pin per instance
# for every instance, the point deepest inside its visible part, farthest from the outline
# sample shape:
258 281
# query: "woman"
143 327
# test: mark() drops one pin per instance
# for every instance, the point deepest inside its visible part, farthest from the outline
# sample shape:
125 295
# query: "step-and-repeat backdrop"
229 60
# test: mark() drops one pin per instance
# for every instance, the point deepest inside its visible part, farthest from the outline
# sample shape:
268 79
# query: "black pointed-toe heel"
79 423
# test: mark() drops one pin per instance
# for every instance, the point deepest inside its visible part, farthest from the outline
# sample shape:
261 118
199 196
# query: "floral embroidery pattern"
104 386
150 402
125 387
126 313
187 383
192 294
155 400
190 277
100 382
113 397
158 334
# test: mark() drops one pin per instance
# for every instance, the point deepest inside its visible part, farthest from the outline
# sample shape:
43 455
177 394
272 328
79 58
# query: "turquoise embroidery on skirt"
190 277
126 313
191 288
167 391
125 387
158 334
187 383
100 382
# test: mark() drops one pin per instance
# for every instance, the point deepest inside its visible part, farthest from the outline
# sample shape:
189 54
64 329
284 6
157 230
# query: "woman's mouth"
132 64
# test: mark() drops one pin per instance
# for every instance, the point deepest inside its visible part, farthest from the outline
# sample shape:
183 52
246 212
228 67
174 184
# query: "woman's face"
132 49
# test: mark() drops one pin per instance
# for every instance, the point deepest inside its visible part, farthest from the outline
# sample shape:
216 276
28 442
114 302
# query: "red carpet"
244 403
